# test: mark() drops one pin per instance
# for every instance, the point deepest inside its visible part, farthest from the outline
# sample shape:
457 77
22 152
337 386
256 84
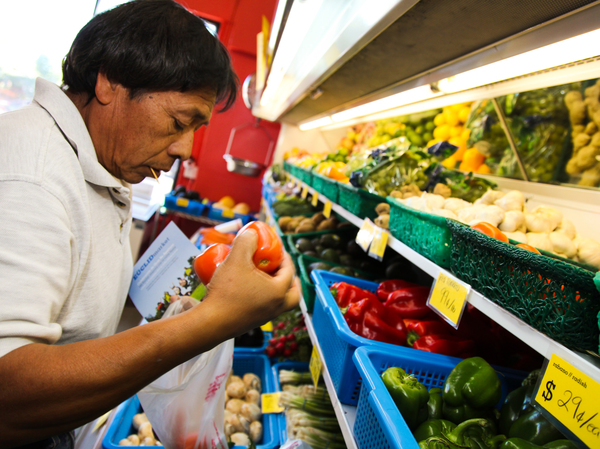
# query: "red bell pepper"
409 302
370 319
451 345
386 287
418 328
345 294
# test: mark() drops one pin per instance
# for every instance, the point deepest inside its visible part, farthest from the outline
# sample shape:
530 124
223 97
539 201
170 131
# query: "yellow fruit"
227 201
456 131
442 132
241 208
439 119
465 134
463 114
458 141
484 169
449 162
432 142
451 117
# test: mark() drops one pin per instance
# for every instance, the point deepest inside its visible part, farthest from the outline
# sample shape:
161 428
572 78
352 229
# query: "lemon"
456 131
463 114
439 119
442 132
466 134
451 117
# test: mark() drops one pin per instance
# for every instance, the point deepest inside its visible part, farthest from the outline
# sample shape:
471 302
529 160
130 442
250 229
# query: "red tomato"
207 262
269 250
490 230
528 248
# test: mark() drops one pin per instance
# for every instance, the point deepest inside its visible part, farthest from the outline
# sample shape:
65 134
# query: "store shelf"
346 414
544 345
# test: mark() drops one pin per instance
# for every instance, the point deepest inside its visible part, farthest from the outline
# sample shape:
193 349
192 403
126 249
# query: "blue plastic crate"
242 363
379 424
191 207
338 342
291 366
215 213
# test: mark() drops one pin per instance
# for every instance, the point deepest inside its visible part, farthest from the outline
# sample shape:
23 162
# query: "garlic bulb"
520 237
562 244
538 223
513 200
455 204
553 215
433 201
568 228
540 240
588 251
490 214
445 213
513 219
468 214
489 197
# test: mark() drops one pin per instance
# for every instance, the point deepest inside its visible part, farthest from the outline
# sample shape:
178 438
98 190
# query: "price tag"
315 365
571 397
205 201
228 213
315 199
365 235
304 193
379 243
448 298
267 327
327 209
270 403
183 202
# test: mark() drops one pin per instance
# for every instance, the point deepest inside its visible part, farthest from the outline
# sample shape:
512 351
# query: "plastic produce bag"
186 406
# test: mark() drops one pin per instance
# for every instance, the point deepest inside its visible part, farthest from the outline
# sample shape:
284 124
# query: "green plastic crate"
557 298
326 186
427 234
304 174
358 201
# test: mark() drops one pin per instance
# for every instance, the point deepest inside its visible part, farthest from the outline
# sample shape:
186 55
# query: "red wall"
241 21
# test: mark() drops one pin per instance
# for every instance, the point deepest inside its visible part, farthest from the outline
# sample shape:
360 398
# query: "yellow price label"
315 365
365 235
270 403
315 199
182 202
304 193
228 213
267 327
571 397
379 243
327 209
205 201
448 297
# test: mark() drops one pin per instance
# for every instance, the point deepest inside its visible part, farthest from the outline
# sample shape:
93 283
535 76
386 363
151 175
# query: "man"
138 81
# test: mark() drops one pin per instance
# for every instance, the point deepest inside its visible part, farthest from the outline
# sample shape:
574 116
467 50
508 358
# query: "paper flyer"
164 274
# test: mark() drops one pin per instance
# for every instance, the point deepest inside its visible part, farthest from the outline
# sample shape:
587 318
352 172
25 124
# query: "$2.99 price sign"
571 397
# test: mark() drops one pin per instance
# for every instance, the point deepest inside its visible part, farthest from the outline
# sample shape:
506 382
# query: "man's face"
151 131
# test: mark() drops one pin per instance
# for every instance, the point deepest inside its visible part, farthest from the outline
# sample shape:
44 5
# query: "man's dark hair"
150 45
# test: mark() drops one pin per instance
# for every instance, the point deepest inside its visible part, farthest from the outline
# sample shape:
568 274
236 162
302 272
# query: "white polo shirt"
65 258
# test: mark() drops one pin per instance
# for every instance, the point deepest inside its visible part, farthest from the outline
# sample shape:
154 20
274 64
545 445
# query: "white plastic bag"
186 406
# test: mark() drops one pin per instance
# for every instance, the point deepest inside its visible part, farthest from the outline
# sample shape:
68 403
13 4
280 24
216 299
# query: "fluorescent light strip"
315 123
569 50
410 96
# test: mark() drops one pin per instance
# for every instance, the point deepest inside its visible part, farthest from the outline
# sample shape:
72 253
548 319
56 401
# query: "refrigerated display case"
343 64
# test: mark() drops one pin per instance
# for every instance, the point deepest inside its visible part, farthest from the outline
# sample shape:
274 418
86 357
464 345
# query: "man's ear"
106 90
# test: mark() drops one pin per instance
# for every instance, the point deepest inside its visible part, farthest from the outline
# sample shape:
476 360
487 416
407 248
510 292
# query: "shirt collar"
68 119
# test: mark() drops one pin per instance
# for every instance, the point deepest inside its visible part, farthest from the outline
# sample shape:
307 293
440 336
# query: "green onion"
319 407
294 377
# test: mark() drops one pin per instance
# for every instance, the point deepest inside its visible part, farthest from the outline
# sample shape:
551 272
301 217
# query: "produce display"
290 338
308 411
301 224
584 116
228 204
243 423
462 413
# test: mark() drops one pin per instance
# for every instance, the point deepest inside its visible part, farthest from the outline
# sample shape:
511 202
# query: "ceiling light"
569 50
315 123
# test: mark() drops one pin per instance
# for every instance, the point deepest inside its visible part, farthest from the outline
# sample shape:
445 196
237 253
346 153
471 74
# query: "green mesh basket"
557 298
427 234
358 201
326 186
305 175
287 166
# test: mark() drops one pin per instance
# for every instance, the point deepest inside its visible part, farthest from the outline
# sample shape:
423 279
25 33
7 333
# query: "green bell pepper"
433 427
472 433
470 391
535 428
434 404
409 395
520 443
517 402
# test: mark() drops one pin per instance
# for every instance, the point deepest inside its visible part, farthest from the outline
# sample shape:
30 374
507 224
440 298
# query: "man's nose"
182 147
